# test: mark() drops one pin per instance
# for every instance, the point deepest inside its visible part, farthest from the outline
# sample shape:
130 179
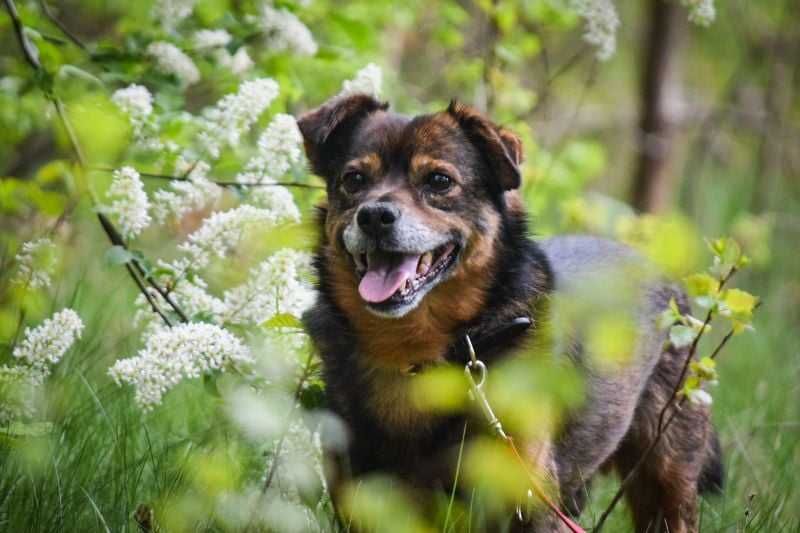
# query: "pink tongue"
381 281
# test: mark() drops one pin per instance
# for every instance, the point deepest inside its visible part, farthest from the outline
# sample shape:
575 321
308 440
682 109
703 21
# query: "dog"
424 239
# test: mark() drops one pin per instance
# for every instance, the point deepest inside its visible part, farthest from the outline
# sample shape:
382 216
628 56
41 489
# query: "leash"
475 365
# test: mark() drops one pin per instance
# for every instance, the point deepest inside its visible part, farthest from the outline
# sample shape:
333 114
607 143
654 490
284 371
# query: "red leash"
573 527
474 364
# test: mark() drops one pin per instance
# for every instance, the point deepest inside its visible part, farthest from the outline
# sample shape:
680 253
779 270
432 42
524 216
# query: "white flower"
211 38
137 102
194 299
699 397
238 63
280 147
285 32
170 13
701 12
601 23
368 80
170 355
45 344
234 114
130 205
185 196
222 232
35 262
278 285
18 385
276 199
171 60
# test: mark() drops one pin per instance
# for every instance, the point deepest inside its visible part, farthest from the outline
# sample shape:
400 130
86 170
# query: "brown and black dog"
424 239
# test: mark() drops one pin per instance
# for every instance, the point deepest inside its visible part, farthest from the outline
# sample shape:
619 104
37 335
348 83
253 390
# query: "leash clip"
475 365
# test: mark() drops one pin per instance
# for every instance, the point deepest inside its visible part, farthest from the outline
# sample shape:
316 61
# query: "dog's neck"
515 287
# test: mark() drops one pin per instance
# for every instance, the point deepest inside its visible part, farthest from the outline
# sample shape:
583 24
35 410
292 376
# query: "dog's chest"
391 402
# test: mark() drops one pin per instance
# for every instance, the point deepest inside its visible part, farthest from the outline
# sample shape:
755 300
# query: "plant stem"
662 423
279 446
66 31
232 184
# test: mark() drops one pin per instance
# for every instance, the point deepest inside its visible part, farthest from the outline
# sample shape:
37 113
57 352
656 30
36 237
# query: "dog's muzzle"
397 257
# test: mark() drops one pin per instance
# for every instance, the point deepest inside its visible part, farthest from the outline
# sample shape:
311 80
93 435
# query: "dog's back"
619 417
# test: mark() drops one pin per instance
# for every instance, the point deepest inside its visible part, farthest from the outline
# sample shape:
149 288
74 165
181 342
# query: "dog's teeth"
424 263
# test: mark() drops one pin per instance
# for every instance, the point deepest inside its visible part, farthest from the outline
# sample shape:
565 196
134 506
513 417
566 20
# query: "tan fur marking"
371 164
422 165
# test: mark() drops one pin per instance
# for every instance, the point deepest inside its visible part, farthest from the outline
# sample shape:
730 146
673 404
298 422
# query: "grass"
102 458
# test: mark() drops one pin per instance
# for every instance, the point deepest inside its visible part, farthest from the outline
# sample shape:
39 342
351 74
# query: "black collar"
485 342
490 340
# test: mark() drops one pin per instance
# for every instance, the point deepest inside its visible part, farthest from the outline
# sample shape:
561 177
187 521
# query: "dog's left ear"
326 129
501 148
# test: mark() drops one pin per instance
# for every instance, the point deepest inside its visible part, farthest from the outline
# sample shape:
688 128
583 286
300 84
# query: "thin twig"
279 446
116 240
147 294
232 184
663 424
28 50
66 31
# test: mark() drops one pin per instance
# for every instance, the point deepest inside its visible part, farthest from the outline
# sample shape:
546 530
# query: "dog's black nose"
377 219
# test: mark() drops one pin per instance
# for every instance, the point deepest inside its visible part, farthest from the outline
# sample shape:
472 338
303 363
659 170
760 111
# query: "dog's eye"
439 183
352 182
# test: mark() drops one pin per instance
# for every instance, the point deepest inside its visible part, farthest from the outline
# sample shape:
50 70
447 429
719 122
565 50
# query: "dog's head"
414 204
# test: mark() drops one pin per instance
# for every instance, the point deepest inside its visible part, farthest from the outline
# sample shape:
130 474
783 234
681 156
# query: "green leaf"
740 303
210 385
283 320
29 429
704 369
118 255
681 336
701 285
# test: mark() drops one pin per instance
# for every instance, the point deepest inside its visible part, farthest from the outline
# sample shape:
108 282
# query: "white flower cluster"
130 204
280 284
170 13
234 114
45 344
35 262
222 231
185 196
171 60
285 32
238 63
601 24
136 102
280 148
203 39
368 80
170 355
18 385
701 12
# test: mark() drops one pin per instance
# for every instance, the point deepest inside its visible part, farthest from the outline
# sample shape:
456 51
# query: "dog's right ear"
326 129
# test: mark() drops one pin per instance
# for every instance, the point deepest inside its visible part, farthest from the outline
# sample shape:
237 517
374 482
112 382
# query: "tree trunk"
653 181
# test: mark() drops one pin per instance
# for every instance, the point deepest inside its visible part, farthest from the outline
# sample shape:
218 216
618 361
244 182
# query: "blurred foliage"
198 463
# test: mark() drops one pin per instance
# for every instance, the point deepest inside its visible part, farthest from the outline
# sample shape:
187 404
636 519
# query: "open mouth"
395 278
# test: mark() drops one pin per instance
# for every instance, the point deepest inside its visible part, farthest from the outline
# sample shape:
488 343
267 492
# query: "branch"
138 271
66 31
279 447
231 184
29 51
663 424
116 239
